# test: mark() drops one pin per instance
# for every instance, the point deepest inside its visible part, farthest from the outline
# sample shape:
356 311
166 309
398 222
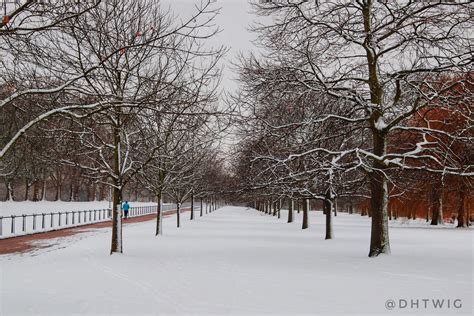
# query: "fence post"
95 215
79 217
1 225
42 220
59 222
67 215
24 222
52 220
34 221
73 219
13 224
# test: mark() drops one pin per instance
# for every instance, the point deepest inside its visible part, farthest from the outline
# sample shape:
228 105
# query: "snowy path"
238 261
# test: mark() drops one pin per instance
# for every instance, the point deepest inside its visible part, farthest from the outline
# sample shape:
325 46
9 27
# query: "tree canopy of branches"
364 69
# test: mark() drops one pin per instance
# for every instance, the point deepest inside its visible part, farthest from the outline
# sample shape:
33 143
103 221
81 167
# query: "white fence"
18 225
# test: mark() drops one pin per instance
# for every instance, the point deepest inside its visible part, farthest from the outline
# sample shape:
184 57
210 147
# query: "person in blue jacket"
125 208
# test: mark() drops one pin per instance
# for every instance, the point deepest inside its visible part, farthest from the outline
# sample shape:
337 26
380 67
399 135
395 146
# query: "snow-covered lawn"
239 261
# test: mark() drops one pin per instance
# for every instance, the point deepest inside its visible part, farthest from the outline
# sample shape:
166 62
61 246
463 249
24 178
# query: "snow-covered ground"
239 261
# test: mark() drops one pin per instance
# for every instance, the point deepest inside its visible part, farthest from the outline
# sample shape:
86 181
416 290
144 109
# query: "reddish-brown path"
25 243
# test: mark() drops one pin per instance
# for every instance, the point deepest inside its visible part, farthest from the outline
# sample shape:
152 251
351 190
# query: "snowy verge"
241 262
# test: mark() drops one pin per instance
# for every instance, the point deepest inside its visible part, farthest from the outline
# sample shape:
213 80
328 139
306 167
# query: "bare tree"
386 61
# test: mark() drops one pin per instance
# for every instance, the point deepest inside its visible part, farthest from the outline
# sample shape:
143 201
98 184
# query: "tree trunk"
462 221
137 193
298 202
102 194
44 189
428 211
279 208
177 214
116 220
94 191
192 207
290 210
327 205
35 191
9 196
116 246
75 195
437 206
158 214
57 195
27 189
469 211
305 213
379 239
335 207
200 209
71 191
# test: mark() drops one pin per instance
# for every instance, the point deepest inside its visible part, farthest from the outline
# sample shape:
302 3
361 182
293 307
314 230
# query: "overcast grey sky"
233 21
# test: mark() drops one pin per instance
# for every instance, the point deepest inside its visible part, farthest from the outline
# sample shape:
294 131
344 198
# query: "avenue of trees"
358 105
363 102
109 95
